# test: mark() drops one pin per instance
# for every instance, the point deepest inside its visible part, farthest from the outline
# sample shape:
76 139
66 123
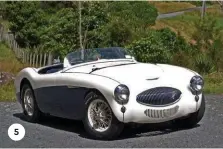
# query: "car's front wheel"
193 118
99 121
29 105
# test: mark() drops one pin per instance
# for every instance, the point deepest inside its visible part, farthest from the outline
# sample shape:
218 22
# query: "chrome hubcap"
99 115
28 102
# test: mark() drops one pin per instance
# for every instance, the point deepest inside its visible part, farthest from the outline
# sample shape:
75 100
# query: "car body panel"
63 93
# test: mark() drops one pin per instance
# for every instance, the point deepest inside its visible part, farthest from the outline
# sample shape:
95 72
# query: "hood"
137 71
133 73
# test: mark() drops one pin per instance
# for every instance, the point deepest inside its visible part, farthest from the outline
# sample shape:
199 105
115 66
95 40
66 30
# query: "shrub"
150 49
203 63
173 41
160 46
183 59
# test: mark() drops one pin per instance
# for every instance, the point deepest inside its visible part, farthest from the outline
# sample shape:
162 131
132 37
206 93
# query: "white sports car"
106 88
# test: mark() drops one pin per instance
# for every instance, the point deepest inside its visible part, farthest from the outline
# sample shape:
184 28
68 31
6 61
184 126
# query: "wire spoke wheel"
99 115
28 102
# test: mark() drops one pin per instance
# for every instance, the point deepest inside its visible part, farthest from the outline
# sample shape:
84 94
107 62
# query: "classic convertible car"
107 88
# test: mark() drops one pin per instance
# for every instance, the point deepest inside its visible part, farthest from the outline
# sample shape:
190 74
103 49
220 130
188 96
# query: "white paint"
138 77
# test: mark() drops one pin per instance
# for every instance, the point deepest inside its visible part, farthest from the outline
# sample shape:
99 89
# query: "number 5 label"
16 132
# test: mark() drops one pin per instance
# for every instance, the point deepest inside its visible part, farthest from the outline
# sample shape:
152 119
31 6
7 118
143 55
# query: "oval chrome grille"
159 96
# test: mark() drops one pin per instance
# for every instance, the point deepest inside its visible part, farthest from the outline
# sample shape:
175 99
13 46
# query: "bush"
173 41
159 46
150 49
182 59
203 63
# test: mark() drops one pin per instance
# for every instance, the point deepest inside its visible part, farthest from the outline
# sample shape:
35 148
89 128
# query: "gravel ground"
56 132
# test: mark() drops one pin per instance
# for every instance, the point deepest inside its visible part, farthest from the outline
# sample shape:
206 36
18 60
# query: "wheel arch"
23 82
112 103
95 91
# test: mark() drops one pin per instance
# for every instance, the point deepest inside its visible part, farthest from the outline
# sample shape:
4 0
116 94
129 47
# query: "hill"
9 67
185 24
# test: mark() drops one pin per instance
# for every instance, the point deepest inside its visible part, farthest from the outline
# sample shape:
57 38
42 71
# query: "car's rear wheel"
193 118
29 105
99 121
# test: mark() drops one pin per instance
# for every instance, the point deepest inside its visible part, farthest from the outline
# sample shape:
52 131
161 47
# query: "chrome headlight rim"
197 84
121 94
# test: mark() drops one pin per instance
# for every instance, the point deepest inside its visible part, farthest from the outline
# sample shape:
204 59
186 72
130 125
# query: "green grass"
8 63
7 92
185 24
213 83
165 7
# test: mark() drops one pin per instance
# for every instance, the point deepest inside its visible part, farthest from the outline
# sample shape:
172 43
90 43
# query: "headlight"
122 94
197 83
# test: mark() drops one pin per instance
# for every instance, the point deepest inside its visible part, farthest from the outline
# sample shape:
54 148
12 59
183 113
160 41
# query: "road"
56 132
177 13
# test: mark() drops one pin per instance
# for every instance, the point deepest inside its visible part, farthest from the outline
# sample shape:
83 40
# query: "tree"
54 25
25 19
136 14
61 34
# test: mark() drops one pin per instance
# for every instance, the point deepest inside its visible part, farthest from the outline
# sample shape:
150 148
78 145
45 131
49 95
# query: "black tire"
192 119
35 117
112 132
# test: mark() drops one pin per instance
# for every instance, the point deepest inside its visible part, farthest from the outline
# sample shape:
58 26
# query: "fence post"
37 60
30 59
34 58
40 61
44 63
23 57
50 59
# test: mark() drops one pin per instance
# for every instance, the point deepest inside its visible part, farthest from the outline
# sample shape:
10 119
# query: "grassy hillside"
184 24
8 63
165 7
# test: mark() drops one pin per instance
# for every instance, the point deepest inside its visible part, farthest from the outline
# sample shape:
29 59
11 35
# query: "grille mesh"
159 96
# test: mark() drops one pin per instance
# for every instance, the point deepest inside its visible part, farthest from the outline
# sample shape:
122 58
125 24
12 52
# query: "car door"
45 93
69 95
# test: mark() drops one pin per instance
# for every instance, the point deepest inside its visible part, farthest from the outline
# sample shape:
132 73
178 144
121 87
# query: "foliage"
159 46
25 19
199 3
54 26
209 42
134 13
203 64
116 33
60 35
173 41
8 61
166 7
150 49
213 83
183 59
